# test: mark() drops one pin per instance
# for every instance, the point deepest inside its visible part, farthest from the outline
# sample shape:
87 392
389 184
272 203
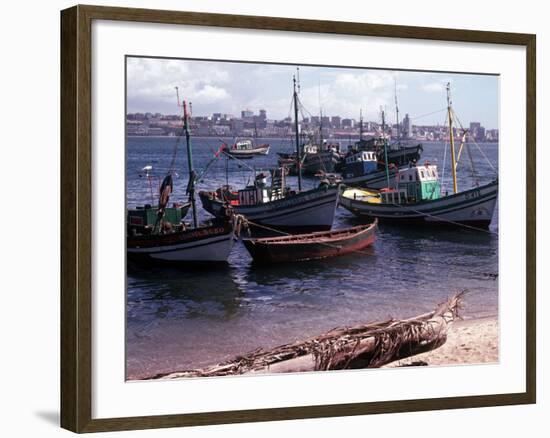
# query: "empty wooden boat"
311 246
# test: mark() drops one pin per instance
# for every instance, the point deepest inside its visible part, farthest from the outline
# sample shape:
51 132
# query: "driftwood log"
365 346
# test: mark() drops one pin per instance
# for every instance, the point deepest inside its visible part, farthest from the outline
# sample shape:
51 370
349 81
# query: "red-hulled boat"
311 246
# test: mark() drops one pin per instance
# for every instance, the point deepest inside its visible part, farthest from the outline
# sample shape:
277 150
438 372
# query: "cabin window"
402 177
410 177
422 173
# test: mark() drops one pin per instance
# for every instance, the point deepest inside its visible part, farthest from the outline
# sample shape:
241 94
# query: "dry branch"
365 346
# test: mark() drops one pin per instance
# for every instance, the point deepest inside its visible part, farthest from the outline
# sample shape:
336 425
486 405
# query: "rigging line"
175 151
473 170
393 259
242 163
428 114
445 220
477 145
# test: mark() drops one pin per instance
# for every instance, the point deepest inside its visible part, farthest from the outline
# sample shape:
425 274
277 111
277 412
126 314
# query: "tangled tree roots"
365 346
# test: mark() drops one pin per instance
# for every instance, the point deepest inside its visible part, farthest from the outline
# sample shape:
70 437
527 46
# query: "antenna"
178 96
298 78
396 106
449 101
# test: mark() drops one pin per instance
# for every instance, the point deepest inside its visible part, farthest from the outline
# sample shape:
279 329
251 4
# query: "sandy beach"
471 341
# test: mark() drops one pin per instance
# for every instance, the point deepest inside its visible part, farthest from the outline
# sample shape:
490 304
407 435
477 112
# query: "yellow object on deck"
365 195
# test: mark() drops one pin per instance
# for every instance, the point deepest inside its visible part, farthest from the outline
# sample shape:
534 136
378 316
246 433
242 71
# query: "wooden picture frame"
76 218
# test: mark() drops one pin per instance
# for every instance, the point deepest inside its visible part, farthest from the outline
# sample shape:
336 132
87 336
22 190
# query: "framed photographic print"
268 218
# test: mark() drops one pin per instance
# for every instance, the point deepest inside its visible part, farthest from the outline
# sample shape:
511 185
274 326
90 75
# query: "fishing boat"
317 154
361 169
312 246
315 158
397 153
415 196
276 206
166 241
245 149
145 216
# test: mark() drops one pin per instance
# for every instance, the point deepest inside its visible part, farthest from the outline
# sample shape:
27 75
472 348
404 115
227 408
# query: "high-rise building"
247 114
406 129
474 128
348 123
263 114
336 121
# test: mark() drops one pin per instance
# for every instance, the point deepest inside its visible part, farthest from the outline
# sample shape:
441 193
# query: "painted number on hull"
473 194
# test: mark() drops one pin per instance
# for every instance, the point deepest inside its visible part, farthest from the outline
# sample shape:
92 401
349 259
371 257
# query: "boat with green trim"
415 197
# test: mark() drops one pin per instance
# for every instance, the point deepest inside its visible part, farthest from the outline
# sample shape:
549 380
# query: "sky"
230 87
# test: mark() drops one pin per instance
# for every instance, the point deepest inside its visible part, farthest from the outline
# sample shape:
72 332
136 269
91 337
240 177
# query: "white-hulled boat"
472 207
277 207
169 242
295 212
245 149
415 196
204 244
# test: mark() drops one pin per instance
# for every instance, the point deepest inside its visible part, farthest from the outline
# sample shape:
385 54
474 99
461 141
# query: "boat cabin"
419 183
360 163
243 145
260 192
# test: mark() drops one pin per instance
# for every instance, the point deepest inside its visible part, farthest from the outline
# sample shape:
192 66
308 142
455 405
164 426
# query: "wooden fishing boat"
273 207
245 149
415 196
361 169
311 246
277 208
169 241
397 153
203 244
314 159
472 207
142 217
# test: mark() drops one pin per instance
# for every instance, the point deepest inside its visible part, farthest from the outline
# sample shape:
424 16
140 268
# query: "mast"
296 128
396 109
385 149
452 141
320 130
192 175
360 124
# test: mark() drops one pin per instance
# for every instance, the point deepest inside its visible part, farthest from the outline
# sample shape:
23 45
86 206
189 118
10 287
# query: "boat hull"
472 207
312 246
403 155
325 161
249 153
307 211
207 244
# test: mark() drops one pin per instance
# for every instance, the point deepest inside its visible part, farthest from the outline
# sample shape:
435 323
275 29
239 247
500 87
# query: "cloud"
154 81
434 87
211 93
230 87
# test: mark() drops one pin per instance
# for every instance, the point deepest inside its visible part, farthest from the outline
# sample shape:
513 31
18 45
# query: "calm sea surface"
178 319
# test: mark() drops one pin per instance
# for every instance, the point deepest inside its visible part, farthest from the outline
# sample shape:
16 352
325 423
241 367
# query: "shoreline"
469 342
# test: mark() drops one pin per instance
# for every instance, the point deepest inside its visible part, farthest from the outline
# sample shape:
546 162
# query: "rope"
445 220
477 145
428 114
393 259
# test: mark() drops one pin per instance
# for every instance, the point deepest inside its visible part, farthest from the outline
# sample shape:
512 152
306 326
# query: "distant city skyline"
231 87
